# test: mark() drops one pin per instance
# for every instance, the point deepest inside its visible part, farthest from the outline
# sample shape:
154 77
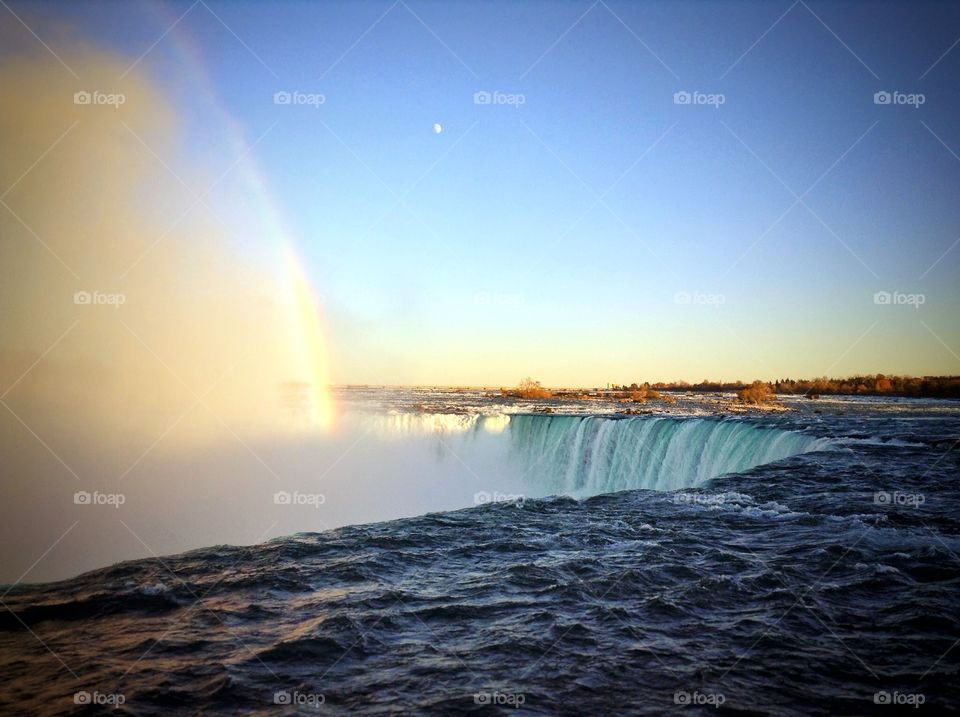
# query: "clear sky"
582 227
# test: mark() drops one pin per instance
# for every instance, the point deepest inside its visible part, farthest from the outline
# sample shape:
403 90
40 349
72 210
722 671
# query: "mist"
142 352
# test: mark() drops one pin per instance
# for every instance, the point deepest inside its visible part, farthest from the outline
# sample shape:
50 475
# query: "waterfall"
589 455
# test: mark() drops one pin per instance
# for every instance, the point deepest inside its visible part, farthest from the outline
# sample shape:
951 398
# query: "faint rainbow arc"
302 304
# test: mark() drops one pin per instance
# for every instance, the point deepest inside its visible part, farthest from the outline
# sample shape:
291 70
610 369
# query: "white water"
583 456
403 425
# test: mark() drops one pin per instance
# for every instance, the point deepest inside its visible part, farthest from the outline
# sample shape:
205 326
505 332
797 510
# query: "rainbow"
312 343
310 339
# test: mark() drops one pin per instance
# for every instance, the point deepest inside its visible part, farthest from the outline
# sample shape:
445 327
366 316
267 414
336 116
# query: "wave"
878 441
85 607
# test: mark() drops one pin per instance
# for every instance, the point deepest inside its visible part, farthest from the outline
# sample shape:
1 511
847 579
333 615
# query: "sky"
583 226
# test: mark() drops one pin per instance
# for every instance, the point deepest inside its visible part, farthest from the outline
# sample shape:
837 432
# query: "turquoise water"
590 455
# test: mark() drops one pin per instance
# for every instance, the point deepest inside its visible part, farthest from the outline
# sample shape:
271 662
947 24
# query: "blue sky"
553 238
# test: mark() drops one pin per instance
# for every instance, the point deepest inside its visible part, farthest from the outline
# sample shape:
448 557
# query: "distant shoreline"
878 385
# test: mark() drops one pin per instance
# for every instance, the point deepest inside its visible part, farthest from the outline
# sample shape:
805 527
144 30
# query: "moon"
437 128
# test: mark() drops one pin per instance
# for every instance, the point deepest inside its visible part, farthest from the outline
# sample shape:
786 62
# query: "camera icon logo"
882 298
281 98
282 497
482 97
82 98
481 498
682 98
282 698
882 97
82 497
82 298
81 698
680 697
882 498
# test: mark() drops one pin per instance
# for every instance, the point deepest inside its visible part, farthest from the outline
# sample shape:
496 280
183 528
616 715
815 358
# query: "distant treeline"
877 385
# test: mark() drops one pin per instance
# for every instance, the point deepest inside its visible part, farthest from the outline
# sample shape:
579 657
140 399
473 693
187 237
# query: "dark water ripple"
785 590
